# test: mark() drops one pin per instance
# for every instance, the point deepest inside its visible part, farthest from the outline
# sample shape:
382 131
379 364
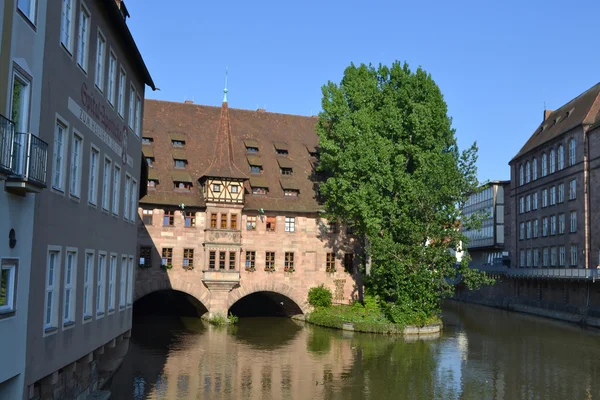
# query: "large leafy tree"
393 167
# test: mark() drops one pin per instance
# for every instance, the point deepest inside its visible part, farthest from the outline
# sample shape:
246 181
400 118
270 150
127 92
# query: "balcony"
7 138
221 279
28 164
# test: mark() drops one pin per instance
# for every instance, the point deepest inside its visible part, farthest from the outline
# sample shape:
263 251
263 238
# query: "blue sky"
496 62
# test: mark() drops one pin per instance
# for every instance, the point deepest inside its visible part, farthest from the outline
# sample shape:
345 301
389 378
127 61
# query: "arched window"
544 165
527 172
572 152
521 175
552 161
534 168
561 157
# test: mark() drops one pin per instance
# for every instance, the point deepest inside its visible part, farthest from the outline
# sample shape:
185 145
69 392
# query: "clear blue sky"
495 64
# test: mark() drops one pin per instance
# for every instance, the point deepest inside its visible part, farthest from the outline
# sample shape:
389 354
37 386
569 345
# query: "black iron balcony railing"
30 158
7 139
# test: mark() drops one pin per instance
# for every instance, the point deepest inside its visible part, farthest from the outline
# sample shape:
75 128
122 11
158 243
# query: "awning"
148 151
181 176
280 145
258 181
178 154
254 160
152 175
180 137
251 143
289 184
284 162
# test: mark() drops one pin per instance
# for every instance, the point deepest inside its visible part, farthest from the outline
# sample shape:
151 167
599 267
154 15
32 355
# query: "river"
483 353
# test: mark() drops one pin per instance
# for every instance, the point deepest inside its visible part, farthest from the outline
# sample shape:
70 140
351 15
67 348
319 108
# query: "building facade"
84 242
553 197
232 208
486 243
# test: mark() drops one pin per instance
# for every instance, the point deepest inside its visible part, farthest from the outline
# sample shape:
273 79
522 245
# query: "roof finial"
225 90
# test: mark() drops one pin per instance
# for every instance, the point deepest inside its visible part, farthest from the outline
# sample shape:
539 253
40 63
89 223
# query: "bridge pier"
219 292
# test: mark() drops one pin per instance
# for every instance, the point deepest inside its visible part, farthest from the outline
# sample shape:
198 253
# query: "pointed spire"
225 90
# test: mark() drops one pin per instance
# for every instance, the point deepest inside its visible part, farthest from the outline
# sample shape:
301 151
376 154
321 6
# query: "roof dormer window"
147 140
286 171
177 143
281 148
282 152
177 139
252 149
251 145
291 193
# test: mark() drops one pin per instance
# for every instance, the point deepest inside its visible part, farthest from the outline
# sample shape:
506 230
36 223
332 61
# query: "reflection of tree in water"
319 340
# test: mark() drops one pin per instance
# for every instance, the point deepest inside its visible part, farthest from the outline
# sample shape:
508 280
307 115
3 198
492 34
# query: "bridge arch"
195 290
268 286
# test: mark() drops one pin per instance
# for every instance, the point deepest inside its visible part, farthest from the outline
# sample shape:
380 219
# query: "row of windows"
109 171
550 257
101 279
481 233
550 226
550 163
484 195
548 197
106 78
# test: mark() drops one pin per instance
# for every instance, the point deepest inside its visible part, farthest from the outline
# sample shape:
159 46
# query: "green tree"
391 164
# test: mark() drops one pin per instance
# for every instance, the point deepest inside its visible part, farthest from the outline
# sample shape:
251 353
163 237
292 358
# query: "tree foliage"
319 296
393 167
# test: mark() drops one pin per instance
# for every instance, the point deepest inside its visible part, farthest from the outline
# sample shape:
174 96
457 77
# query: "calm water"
483 353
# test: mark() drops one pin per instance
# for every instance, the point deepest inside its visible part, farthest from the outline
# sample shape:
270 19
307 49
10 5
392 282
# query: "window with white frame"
126 198
88 285
544 165
138 118
573 255
70 285
561 256
8 286
130 282
133 211
573 189
561 192
534 205
131 116
112 270
52 287
59 152
100 296
100 54
121 92
552 162
534 168
123 283
112 78
28 8
573 219
83 38
116 189
93 188
290 224
572 152
561 157
66 25
75 180
106 178
20 113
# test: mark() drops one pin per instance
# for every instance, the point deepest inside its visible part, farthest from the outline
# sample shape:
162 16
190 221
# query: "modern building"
486 243
23 158
84 223
232 209
553 193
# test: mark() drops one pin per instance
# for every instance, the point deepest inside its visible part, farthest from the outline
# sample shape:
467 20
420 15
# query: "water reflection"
482 354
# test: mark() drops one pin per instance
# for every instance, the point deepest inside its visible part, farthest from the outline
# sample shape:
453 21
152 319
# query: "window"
561 223
138 115
290 193
106 185
534 169
521 175
233 221
522 231
349 262
93 189
289 260
270 260
190 220
59 139
167 256
250 260
271 224
100 295
286 171
536 257
74 186
572 152
83 38
169 218
123 283
147 217
180 164
232 260
544 165
332 227
152 183
535 228
112 78
100 54
573 255
561 157
527 172
121 93
69 289
290 224
552 162
131 110
66 24
561 256
88 274
545 226
573 189
259 190
250 223
573 219
216 187
528 203
255 169
281 152
116 189
126 198
133 204
28 8
223 221
545 257
8 276
182 185
235 188
177 143
561 192
52 271
112 271
213 220
330 262
528 263
544 198
130 282
521 205
553 257
528 229
535 201
522 258
553 225
147 140
252 149
20 114
211 260
146 257
188 258
553 195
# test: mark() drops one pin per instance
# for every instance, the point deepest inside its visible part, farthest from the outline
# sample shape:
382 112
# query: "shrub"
233 319
319 296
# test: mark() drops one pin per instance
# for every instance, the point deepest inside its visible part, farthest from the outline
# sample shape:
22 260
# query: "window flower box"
269 268
188 267
330 269
166 266
288 269
250 269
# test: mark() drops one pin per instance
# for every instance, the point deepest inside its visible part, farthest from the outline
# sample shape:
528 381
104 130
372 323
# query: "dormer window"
282 152
255 164
150 161
259 190
177 143
147 140
312 151
177 139
255 169
183 185
291 193
180 164
281 148
181 180
152 183
286 171
252 149
251 145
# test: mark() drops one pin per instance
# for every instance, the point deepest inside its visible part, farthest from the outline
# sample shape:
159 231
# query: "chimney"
189 102
547 114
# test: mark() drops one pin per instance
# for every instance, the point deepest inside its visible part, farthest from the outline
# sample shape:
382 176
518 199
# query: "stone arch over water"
269 286
195 290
